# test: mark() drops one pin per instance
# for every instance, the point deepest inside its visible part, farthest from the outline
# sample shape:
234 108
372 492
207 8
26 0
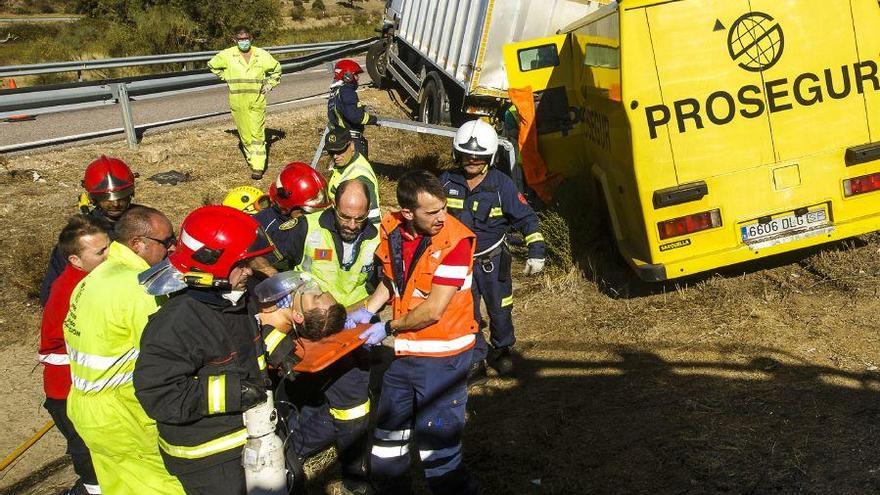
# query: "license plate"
782 226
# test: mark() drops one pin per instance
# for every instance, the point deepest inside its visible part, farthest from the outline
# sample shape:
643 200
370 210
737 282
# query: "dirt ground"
760 379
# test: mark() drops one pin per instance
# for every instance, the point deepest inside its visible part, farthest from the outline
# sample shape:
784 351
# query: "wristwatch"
388 329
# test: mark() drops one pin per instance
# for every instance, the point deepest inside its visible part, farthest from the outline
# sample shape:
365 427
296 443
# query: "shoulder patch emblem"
289 224
522 199
323 254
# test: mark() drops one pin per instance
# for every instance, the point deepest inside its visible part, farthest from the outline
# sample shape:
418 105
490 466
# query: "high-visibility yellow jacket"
108 312
246 78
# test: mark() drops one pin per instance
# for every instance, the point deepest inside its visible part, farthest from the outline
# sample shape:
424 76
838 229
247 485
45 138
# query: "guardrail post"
120 90
79 76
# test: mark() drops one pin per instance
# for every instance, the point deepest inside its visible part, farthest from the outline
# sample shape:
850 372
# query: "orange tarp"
541 180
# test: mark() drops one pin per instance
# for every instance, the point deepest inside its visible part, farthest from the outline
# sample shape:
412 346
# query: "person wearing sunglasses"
346 164
108 312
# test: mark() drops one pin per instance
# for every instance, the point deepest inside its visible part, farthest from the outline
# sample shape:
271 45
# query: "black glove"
252 393
372 120
285 367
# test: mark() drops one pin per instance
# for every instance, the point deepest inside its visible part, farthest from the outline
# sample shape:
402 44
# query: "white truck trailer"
446 56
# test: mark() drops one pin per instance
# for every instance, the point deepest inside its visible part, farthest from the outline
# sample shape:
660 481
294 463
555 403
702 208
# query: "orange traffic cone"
12 84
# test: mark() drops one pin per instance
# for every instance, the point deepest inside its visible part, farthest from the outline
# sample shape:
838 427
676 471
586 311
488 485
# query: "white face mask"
233 296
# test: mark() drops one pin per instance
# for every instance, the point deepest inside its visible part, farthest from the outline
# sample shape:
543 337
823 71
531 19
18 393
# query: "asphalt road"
296 86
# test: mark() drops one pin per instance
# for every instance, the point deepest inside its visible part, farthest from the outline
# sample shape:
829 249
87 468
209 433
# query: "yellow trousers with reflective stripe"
249 114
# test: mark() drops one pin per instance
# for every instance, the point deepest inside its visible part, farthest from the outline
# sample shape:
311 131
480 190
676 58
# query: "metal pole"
127 121
320 149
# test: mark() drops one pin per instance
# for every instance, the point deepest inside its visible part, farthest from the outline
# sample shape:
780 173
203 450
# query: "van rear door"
710 131
814 95
866 19
545 65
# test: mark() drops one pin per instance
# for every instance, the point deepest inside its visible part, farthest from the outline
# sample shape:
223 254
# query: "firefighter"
298 190
248 199
109 189
336 247
251 73
426 262
102 330
202 356
487 202
84 242
344 108
347 163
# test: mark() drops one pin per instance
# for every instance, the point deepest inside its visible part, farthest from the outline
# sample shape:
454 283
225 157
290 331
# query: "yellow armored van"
716 131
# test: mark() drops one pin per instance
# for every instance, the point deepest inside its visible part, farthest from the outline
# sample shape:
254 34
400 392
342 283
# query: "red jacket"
53 352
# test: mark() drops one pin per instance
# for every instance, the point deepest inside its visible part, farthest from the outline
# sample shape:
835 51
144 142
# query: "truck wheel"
434 102
377 60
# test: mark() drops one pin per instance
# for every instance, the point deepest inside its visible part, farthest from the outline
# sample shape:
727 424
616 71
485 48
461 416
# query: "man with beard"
336 246
109 185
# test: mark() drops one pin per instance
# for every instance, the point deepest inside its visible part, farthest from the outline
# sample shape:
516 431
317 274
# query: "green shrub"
298 13
318 6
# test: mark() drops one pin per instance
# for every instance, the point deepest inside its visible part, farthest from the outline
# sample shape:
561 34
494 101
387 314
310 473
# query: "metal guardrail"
170 58
42 100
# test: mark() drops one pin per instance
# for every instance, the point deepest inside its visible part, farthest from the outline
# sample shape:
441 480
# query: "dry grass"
763 379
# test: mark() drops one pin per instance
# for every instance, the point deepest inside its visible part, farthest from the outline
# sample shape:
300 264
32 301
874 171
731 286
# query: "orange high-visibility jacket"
454 333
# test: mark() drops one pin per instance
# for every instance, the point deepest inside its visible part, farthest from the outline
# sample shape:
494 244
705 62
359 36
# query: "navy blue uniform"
490 210
281 231
345 110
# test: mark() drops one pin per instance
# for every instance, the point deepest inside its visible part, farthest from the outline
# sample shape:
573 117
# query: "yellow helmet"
248 199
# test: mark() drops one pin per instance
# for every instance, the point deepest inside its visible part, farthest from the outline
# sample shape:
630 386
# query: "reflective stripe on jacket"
246 78
454 333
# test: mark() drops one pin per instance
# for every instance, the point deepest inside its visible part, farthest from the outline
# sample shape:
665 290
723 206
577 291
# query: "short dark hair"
241 28
414 182
136 222
344 185
319 323
79 226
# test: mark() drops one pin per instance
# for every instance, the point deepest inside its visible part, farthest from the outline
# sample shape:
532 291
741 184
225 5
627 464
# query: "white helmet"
475 138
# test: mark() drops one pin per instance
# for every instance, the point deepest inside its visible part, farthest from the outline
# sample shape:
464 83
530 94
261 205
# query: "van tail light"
689 224
863 184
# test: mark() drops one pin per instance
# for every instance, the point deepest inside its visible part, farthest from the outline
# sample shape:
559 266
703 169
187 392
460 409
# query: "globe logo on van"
755 41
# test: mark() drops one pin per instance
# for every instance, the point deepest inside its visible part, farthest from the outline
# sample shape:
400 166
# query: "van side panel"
816 63
709 132
866 16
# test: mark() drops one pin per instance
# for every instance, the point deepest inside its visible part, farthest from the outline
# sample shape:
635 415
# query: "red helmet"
214 238
108 178
345 69
299 186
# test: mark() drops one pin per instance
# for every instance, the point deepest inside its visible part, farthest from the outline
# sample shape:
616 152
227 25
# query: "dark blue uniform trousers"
422 399
492 283
333 407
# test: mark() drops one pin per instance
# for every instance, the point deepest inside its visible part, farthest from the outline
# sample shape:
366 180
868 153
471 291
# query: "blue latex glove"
355 318
374 335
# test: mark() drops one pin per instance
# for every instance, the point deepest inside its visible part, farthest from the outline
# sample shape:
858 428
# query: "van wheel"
434 102
377 64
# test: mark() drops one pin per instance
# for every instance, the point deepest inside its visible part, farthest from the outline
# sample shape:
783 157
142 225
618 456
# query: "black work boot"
477 374
502 361
257 174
